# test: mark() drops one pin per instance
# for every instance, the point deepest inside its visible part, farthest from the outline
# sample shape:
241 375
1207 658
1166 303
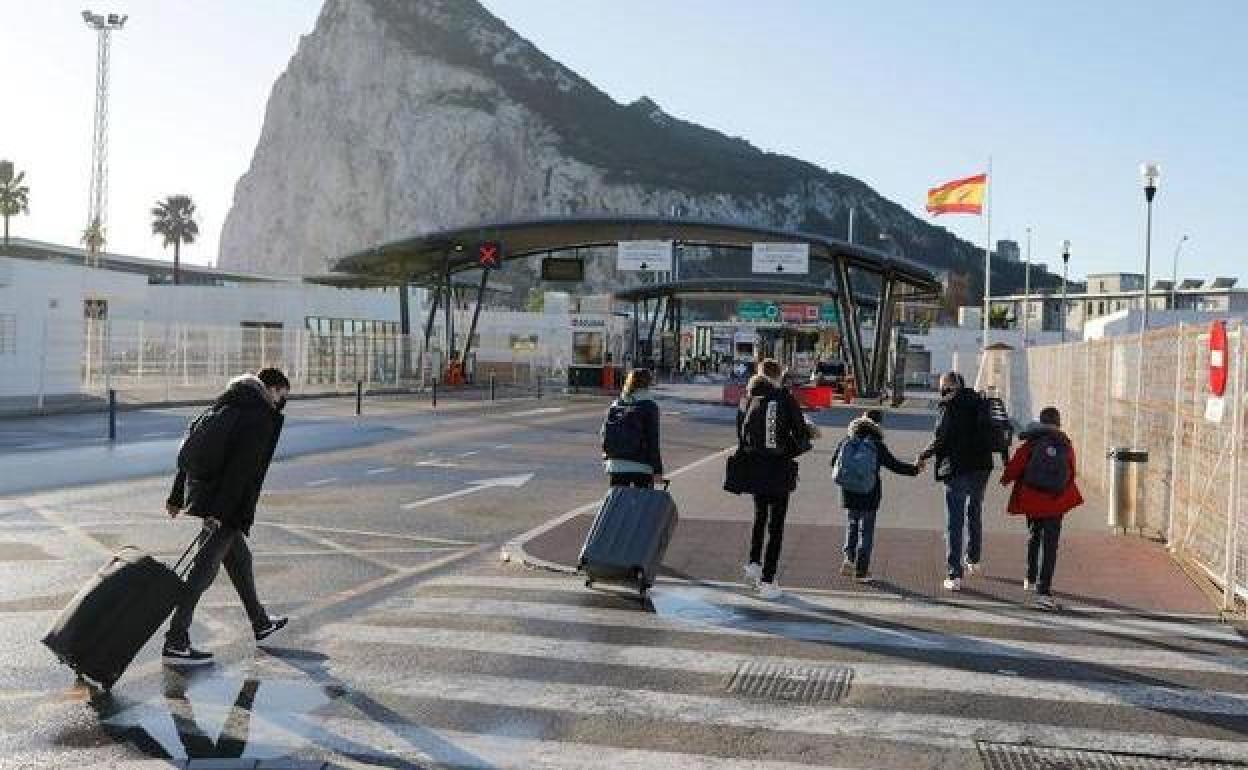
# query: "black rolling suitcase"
106 624
629 536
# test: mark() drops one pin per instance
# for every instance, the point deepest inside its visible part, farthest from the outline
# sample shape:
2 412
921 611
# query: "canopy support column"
883 333
476 314
850 329
405 331
435 296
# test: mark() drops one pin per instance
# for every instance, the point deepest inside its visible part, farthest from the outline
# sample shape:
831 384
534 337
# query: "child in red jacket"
1042 471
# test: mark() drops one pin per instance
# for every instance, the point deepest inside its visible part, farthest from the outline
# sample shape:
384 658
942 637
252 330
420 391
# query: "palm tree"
174 218
93 238
14 196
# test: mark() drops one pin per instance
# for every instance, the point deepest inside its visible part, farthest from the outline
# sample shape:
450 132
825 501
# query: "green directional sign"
757 310
829 313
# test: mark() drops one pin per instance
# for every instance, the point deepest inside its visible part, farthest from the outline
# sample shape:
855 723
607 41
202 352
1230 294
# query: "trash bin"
1124 486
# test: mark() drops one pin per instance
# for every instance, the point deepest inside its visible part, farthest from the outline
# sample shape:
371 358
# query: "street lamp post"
1174 277
1151 175
1061 321
1027 291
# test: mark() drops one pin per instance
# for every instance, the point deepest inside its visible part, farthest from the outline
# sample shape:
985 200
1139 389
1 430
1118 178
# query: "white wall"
1128 321
288 304
43 302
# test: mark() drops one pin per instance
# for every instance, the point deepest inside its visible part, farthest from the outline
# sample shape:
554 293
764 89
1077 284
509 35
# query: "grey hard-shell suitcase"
629 537
110 619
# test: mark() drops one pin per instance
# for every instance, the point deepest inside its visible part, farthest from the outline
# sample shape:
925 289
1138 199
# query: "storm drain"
799 684
1014 756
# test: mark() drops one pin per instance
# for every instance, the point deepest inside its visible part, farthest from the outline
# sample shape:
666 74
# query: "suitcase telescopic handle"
667 484
199 541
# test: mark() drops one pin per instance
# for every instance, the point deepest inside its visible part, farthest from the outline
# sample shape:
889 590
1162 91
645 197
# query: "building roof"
156 270
421 258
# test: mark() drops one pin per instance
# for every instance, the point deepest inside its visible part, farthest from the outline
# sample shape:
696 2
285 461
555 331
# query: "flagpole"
988 257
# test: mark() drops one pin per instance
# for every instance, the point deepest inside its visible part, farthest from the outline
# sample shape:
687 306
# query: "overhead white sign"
782 258
1215 409
643 256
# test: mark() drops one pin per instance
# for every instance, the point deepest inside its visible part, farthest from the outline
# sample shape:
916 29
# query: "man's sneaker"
1029 586
863 577
1046 602
847 567
972 567
753 573
768 590
275 625
953 584
185 656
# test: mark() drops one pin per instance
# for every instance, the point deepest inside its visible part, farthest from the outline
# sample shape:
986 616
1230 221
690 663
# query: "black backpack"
202 454
765 428
1048 467
623 432
993 424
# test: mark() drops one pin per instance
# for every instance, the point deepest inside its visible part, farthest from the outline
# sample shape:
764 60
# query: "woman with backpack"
856 464
1042 471
771 434
630 435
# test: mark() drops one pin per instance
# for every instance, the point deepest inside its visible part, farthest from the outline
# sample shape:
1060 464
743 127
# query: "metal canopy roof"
732 288
420 259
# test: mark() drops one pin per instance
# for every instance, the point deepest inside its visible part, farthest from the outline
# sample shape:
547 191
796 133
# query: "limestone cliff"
396 117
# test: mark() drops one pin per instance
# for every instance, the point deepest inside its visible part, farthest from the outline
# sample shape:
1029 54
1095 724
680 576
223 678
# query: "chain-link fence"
1117 393
77 363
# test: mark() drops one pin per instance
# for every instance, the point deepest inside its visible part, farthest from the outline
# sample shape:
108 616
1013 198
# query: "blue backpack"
857 467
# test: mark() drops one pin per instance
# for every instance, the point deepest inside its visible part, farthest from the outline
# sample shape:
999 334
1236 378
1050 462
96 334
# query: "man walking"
962 447
221 470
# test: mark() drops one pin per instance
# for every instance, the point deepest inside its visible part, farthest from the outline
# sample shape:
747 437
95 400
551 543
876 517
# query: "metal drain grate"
1015 756
800 684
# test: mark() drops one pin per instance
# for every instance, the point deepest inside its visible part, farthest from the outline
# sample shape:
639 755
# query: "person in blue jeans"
963 452
861 508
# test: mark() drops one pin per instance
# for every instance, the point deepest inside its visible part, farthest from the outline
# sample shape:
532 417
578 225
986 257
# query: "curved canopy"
423 259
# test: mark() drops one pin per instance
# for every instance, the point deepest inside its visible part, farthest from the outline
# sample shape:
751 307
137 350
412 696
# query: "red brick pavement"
1120 572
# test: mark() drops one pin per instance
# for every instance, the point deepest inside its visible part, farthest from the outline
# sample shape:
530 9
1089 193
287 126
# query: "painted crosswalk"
513 670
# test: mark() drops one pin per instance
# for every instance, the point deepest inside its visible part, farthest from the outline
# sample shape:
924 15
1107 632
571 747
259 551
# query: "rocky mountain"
396 117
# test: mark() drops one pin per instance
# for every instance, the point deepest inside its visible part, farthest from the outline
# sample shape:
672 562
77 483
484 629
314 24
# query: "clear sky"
1067 97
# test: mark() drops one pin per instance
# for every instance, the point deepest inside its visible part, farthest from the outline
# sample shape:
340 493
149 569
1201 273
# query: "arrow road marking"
514 482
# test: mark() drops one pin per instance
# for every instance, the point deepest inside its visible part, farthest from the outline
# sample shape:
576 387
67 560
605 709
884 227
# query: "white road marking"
502 446
436 464
368 533
469 454
474 486
322 482
535 412
726 605
931 678
475 751
379 471
881 724
159 434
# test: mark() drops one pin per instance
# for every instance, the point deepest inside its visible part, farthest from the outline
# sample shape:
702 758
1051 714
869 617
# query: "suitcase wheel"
589 582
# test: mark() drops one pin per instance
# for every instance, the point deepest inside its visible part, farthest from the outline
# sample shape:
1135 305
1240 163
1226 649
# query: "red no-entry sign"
490 254
1219 362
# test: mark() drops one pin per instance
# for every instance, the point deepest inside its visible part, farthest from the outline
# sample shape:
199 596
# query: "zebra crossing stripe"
876 724
817 609
930 678
474 751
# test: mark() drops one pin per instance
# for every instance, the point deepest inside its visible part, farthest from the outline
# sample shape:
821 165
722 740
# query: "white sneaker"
953 584
753 573
847 567
768 590
972 567
1029 586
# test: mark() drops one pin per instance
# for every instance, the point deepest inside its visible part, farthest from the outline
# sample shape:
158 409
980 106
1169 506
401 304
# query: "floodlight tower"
103 25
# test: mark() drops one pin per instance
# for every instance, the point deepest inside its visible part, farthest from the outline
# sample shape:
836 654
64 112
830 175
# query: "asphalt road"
413 645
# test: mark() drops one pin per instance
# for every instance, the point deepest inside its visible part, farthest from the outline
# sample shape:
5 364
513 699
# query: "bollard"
359 397
539 387
112 414
491 386
1124 487
435 392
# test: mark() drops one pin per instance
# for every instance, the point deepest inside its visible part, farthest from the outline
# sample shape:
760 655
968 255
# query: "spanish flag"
961 196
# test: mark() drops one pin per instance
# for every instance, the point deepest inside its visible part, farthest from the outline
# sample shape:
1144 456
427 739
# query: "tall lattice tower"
97 201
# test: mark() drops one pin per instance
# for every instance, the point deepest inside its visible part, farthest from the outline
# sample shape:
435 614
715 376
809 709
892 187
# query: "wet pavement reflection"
210 713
